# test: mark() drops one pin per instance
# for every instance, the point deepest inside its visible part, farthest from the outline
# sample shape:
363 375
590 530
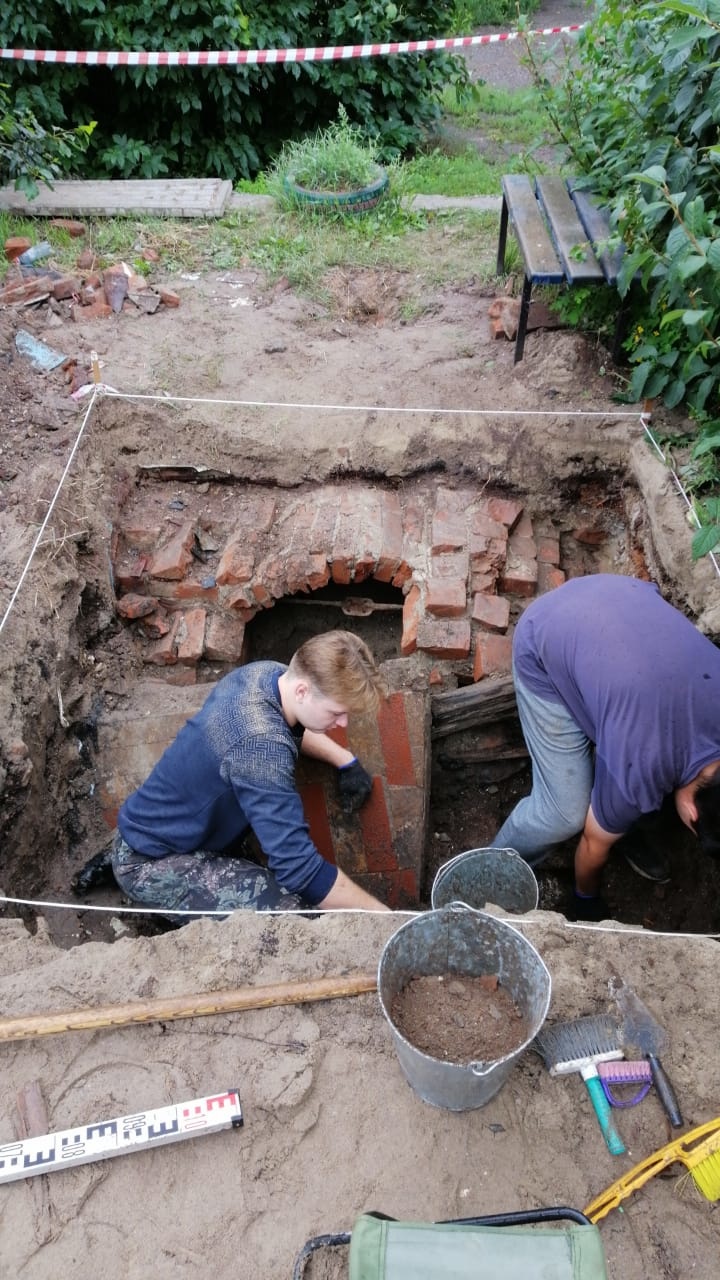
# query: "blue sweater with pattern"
232 766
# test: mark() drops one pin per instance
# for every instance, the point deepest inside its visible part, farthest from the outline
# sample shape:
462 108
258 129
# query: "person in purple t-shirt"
619 700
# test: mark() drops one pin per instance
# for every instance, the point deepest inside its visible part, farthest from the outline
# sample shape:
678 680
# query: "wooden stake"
170 1008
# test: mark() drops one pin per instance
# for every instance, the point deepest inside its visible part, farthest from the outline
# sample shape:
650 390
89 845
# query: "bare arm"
320 747
345 893
591 854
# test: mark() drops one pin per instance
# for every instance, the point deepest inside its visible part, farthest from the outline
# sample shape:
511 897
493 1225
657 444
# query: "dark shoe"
96 872
647 861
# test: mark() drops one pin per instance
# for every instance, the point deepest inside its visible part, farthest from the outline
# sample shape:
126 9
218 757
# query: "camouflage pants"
200 881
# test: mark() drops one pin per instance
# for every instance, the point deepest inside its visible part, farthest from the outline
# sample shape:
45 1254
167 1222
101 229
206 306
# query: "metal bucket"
471 943
480 876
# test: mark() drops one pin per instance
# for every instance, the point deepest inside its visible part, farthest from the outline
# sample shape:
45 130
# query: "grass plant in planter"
334 169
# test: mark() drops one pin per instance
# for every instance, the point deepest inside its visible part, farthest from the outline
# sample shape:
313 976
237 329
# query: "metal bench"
552 220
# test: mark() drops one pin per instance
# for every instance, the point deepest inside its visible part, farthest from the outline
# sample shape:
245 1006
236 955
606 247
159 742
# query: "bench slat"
567 232
539 256
597 229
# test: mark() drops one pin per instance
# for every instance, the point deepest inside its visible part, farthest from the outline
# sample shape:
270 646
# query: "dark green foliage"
226 122
29 153
639 109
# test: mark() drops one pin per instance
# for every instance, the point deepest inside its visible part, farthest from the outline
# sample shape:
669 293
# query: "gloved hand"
96 871
588 908
355 785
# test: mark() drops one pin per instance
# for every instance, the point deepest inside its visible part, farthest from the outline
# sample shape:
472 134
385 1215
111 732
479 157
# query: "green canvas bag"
383 1249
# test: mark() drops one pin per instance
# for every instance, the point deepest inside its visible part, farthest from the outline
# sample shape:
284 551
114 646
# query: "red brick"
314 804
240 599
341 568
27 291
185 589
483 581
397 889
404 574
493 655
395 740
521 571
446 638
155 625
391 541
128 573
15 245
451 564
163 653
318 572
262 596
492 612
322 534
173 559
524 526
236 563
376 833
411 618
435 676
133 606
97 310
168 298
191 637
549 577
224 638
449 532
65 288
548 549
507 510
73 228
258 515
141 537
446 597
272 573
487 555
85 260
483 524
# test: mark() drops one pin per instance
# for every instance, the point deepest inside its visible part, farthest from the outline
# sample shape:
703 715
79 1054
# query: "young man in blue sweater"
619 700
232 768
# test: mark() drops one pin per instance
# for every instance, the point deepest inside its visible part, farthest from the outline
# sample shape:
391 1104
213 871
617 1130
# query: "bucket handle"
458 905
479 1068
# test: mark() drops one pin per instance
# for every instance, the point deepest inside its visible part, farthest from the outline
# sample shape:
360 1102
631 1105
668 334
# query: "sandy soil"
331 1126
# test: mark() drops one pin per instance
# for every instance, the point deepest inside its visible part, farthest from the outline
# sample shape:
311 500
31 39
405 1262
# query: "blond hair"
340 667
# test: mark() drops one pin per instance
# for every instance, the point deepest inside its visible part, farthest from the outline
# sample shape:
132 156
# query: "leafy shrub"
227 122
638 108
489 13
29 153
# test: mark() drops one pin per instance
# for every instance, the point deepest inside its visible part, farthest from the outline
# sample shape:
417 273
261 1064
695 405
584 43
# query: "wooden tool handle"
169 1008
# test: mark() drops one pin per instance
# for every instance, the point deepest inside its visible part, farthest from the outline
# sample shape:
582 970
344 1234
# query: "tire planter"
361 200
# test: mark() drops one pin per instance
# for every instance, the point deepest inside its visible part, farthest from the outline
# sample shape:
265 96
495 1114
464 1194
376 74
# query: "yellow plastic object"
698 1150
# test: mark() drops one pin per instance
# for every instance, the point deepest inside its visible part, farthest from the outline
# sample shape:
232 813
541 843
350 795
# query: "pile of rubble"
88 293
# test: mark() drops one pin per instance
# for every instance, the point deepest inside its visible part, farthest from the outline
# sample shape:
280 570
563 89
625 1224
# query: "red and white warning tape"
256 57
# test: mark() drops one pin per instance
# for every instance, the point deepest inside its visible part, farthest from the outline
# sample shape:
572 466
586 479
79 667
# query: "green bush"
638 108
227 122
29 153
489 13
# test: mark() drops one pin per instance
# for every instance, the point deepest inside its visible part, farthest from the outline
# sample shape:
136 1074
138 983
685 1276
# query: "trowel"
641 1033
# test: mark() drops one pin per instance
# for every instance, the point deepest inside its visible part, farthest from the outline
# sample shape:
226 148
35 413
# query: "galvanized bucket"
471 943
480 876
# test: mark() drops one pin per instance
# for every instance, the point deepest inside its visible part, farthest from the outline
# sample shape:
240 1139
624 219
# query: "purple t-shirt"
638 678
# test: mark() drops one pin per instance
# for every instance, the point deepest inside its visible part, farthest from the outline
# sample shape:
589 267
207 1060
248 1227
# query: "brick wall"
194 563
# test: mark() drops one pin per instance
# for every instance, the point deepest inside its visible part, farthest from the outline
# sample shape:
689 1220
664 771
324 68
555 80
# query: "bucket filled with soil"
464 994
481 876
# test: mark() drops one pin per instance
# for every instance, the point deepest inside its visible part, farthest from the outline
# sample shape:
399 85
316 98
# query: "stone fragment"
168 298
133 606
73 228
15 245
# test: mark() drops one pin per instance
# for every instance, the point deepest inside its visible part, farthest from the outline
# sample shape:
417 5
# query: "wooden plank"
567 232
596 225
541 260
158 197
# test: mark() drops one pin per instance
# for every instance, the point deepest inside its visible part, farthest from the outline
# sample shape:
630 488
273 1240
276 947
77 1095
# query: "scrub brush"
698 1150
625 1072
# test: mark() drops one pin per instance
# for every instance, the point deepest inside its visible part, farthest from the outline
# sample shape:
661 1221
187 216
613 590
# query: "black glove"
355 786
590 909
97 871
